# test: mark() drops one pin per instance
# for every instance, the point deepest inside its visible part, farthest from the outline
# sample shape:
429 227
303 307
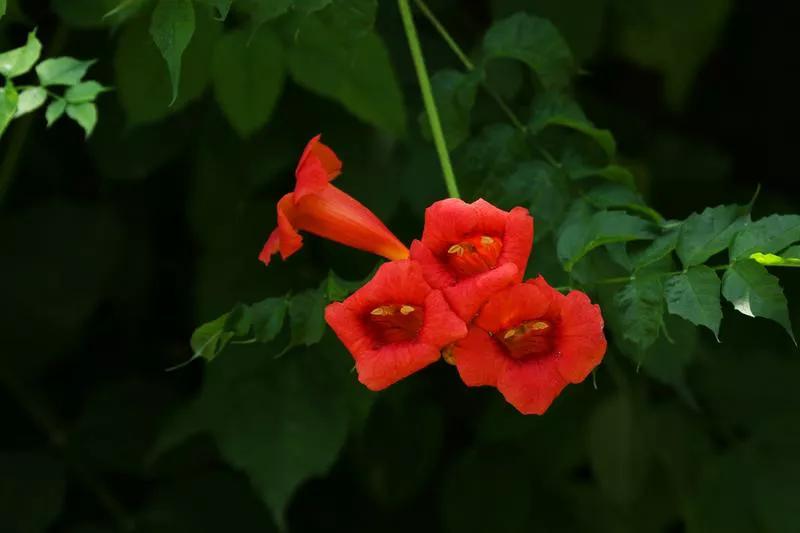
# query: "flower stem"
427 98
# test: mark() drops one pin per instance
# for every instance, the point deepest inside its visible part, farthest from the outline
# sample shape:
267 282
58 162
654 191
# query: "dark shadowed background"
113 250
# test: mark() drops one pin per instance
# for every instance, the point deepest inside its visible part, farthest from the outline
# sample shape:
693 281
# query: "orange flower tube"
318 207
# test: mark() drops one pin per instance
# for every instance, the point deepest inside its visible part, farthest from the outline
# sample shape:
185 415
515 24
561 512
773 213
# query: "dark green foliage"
113 250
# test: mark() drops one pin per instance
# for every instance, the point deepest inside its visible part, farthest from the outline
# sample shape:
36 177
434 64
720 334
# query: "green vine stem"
427 98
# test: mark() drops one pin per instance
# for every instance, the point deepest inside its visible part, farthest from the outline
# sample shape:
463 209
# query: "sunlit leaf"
8 105
31 100
62 70
20 60
755 292
55 111
84 92
85 115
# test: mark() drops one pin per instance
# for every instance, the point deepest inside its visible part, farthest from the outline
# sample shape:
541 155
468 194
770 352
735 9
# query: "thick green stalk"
427 98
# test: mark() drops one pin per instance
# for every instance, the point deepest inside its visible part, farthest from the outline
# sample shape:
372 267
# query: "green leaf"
768 235
455 93
55 110
222 7
583 231
640 305
84 92
694 295
172 28
280 422
266 11
674 38
85 115
359 75
612 195
309 6
8 105
788 258
3 7
539 187
248 76
535 42
62 70
211 338
337 289
617 448
268 317
661 247
30 100
556 109
306 318
32 487
20 60
755 292
708 233
142 82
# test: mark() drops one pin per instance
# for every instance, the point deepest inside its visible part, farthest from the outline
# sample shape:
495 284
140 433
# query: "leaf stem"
428 99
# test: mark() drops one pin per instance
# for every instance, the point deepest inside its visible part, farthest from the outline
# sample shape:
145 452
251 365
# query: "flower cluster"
458 293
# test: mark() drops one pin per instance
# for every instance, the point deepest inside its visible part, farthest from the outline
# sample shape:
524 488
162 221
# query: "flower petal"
436 273
351 331
467 297
391 363
317 166
479 359
531 385
441 326
581 342
448 221
517 239
511 306
284 238
396 282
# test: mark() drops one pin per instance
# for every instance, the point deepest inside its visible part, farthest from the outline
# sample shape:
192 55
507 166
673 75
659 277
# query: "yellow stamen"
537 326
448 355
486 240
406 309
510 333
456 249
382 310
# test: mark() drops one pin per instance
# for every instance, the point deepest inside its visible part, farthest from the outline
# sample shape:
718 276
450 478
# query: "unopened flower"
394 325
530 341
320 208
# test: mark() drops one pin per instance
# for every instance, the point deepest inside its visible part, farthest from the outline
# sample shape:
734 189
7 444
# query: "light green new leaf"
8 105
556 109
55 110
640 305
694 295
583 231
358 74
172 28
248 76
788 258
62 70
85 115
455 93
535 42
755 292
20 60
84 92
31 100
768 235
707 233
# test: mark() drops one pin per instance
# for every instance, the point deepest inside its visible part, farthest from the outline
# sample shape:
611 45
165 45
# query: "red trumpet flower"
470 251
530 341
320 208
394 325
